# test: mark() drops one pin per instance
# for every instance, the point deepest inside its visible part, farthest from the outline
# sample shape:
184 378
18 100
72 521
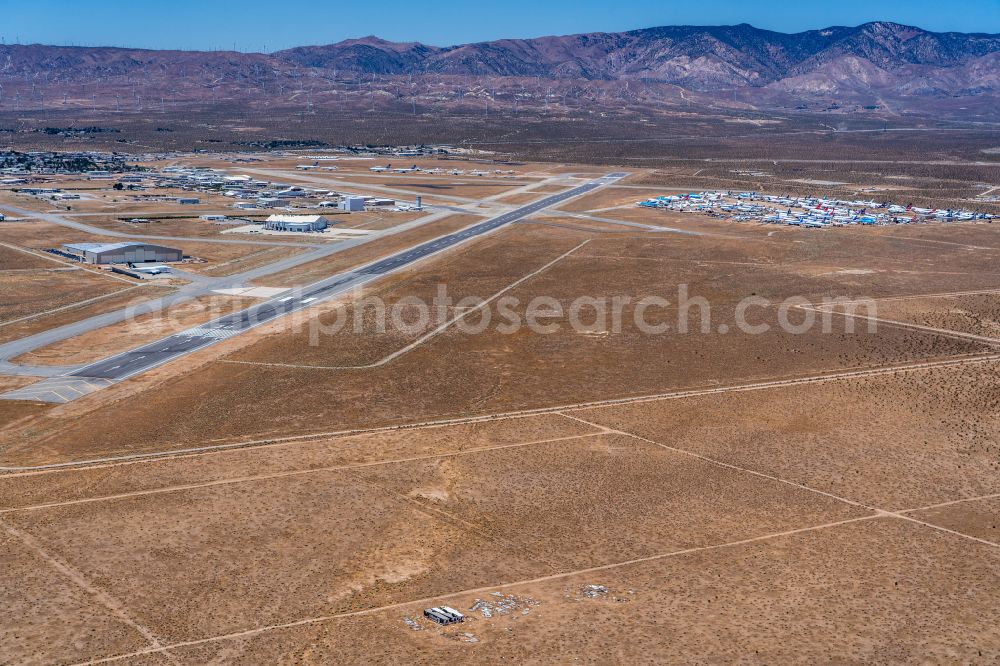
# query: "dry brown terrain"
8 382
300 493
973 313
518 199
33 292
535 507
107 303
14 259
37 235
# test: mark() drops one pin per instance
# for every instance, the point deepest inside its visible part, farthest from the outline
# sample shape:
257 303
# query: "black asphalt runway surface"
127 364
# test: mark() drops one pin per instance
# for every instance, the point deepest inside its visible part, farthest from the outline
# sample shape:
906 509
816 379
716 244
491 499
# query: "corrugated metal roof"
96 247
293 219
106 247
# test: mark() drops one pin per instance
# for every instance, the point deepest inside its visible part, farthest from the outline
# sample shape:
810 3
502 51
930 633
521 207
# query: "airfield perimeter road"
127 364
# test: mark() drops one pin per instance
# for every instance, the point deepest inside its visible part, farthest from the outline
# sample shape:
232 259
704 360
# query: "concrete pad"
57 390
252 292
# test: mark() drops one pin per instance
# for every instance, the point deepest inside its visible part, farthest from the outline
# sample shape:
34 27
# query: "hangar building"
296 223
122 253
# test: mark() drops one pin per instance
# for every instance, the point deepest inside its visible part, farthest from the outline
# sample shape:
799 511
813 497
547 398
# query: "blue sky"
256 25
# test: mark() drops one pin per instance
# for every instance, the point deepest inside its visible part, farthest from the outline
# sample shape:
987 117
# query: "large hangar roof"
105 247
98 247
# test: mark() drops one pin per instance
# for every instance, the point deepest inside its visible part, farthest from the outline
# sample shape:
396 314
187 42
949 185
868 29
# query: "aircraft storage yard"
815 212
197 465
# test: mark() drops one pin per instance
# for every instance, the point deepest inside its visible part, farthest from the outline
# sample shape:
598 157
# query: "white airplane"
380 169
410 170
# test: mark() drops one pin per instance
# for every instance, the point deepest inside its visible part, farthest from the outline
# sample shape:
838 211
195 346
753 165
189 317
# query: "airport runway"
127 364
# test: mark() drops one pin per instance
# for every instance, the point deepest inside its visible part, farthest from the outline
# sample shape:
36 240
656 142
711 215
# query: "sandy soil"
518 199
284 456
978 518
12 259
762 565
28 293
396 532
50 606
43 235
821 596
977 314
871 440
259 255
113 301
10 382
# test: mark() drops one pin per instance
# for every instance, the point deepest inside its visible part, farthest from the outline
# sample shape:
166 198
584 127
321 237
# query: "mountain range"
701 58
870 61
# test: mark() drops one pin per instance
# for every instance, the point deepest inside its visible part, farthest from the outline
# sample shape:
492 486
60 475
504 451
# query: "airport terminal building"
122 253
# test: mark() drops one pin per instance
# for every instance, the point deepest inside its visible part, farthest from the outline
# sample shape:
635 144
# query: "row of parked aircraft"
388 168
805 211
